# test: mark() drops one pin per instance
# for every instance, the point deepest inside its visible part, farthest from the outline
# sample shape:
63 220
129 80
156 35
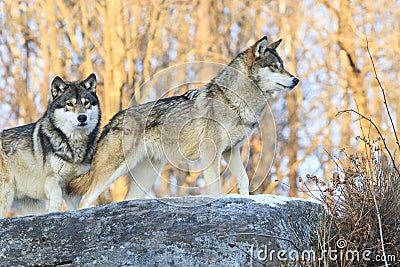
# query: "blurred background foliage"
125 42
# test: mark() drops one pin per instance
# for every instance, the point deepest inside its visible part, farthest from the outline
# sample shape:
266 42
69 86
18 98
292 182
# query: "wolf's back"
17 138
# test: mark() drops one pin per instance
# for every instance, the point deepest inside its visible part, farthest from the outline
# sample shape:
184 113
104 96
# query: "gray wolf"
39 159
203 124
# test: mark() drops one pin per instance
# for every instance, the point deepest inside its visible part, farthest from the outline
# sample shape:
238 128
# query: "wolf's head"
266 67
74 105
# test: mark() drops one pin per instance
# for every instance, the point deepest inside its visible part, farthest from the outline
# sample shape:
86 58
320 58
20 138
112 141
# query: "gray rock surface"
189 231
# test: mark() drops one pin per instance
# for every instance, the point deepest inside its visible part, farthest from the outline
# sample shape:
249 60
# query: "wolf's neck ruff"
71 147
238 89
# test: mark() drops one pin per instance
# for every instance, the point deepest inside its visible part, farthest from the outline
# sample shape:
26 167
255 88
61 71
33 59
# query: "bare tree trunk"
45 49
293 98
349 62
87 64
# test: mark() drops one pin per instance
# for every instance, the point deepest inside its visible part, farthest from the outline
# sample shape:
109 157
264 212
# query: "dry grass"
362 200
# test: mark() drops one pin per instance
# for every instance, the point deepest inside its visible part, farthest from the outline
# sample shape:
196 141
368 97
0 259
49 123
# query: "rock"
189 231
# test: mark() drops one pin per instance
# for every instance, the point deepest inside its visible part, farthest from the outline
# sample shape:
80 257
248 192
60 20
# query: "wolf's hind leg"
143 176
102 178
235 166
72 201
211 176
210 160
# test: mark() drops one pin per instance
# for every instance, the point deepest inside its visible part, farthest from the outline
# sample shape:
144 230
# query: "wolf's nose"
295 81
82 118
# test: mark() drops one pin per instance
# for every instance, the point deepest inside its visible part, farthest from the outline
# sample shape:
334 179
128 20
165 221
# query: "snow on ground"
271 200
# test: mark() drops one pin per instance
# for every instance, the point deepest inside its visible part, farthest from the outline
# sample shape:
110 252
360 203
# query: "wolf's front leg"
7 186
6 196
54 194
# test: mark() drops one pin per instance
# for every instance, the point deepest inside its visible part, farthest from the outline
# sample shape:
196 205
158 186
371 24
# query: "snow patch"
271 200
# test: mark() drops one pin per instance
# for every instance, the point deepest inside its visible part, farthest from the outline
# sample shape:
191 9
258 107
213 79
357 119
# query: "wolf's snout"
295 81
82 118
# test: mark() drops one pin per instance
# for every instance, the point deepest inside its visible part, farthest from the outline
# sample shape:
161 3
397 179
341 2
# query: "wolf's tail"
80 185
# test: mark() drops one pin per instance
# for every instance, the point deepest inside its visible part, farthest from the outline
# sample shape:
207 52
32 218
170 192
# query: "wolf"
203 124
39 159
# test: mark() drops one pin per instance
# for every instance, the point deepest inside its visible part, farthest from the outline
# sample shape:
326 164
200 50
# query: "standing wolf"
38 160
202 124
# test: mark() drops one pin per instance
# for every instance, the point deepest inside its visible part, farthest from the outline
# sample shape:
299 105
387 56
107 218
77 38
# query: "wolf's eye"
86 102
274 66
69 104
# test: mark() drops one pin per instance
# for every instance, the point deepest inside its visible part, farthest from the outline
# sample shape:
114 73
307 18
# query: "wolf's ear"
90 83
58 87
274 45
260 47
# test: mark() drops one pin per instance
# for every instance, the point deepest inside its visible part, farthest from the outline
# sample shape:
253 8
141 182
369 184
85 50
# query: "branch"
377 130
398 145
384 96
